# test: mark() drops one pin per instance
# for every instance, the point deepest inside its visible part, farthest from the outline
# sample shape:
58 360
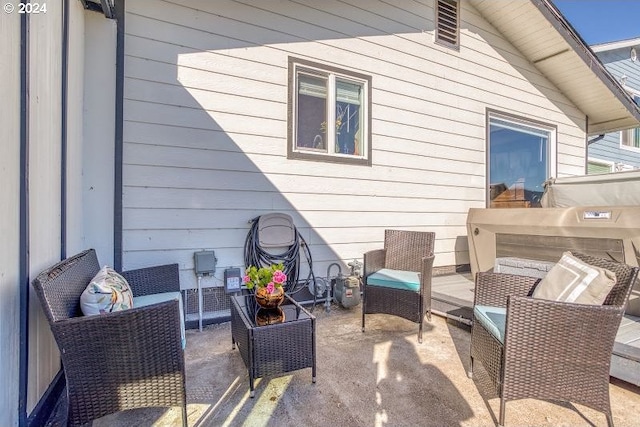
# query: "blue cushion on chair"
145 300
493 319
397 279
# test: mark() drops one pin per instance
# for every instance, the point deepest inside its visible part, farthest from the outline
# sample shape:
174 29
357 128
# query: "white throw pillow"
107 292
572 280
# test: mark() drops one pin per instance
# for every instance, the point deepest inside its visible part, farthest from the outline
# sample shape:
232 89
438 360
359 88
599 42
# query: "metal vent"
447 22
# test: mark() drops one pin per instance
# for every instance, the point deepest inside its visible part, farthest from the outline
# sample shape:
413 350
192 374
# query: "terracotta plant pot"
269 300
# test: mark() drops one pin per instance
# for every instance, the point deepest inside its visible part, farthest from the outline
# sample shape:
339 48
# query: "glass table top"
289 311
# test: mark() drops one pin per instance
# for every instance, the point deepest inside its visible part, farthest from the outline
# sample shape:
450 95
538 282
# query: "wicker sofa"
121 360
547 349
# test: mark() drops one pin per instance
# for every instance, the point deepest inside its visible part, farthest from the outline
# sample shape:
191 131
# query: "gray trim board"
64 129
119 133
23 273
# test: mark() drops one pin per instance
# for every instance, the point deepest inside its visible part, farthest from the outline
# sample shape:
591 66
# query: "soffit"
543 36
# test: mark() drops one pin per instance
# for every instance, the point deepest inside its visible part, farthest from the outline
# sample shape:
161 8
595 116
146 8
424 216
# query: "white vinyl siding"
10 219
205 126
44 186
43 166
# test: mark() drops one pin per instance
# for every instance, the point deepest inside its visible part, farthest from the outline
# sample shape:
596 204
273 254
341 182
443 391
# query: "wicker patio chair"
120 360
550 350
397 279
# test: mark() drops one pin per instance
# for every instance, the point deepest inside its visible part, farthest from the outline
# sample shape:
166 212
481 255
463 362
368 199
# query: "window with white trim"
448 22
329 113
630 138
596 166
521 157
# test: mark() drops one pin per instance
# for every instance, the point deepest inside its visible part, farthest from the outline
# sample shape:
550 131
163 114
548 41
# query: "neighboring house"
618 151
164 131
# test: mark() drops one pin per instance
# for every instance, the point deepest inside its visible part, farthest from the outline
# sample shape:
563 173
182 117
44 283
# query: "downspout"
118 155
23 274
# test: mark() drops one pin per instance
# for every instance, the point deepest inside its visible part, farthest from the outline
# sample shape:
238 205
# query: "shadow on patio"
380 378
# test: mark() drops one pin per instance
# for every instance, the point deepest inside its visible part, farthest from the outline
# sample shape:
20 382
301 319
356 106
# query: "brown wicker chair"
552 350
121 360
403 251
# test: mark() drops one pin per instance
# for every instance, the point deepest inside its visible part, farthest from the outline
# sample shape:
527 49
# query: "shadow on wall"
205 130
205 136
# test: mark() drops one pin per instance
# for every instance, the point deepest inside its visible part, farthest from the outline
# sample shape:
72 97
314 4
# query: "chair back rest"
60 286
405 249
626 276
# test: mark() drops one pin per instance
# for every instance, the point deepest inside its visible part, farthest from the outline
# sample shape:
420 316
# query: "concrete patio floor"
382 377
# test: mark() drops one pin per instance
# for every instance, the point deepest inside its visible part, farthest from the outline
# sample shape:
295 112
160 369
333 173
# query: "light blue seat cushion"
493 319
397 279
145 300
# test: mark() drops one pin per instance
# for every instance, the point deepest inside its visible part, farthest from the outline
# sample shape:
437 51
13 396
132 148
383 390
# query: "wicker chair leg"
363 317
502 408
420 332
609 419
184 417
470 371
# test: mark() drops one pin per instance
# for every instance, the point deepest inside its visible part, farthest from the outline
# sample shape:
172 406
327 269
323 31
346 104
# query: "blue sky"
601 21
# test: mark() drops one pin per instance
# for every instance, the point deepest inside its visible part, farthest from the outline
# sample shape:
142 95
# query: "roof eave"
570 35
564 59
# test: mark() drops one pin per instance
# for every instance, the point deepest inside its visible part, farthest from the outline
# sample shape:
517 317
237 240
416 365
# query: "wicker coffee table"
280 345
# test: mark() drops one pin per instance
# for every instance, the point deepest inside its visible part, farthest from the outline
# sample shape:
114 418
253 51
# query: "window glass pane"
311 113
518 163
595 168
349 111
631 137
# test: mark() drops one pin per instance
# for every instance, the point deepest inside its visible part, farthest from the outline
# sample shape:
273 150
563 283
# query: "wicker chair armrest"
373 261
129 329
425 275
572 336
153 280
494 288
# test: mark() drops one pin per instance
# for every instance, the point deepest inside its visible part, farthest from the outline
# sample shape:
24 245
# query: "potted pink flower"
266 283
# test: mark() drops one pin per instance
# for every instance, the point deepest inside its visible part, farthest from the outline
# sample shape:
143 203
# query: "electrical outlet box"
232 280
205 263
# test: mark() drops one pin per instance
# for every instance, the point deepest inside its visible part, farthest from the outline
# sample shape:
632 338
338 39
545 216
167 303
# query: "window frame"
297 66
611 165
517 119
626 135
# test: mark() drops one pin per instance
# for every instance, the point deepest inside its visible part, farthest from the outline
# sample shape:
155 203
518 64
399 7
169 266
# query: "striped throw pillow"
572 280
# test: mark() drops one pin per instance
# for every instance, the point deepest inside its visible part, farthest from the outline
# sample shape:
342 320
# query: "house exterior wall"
10 217
45 45
609 149
205 126
44 205
99 135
